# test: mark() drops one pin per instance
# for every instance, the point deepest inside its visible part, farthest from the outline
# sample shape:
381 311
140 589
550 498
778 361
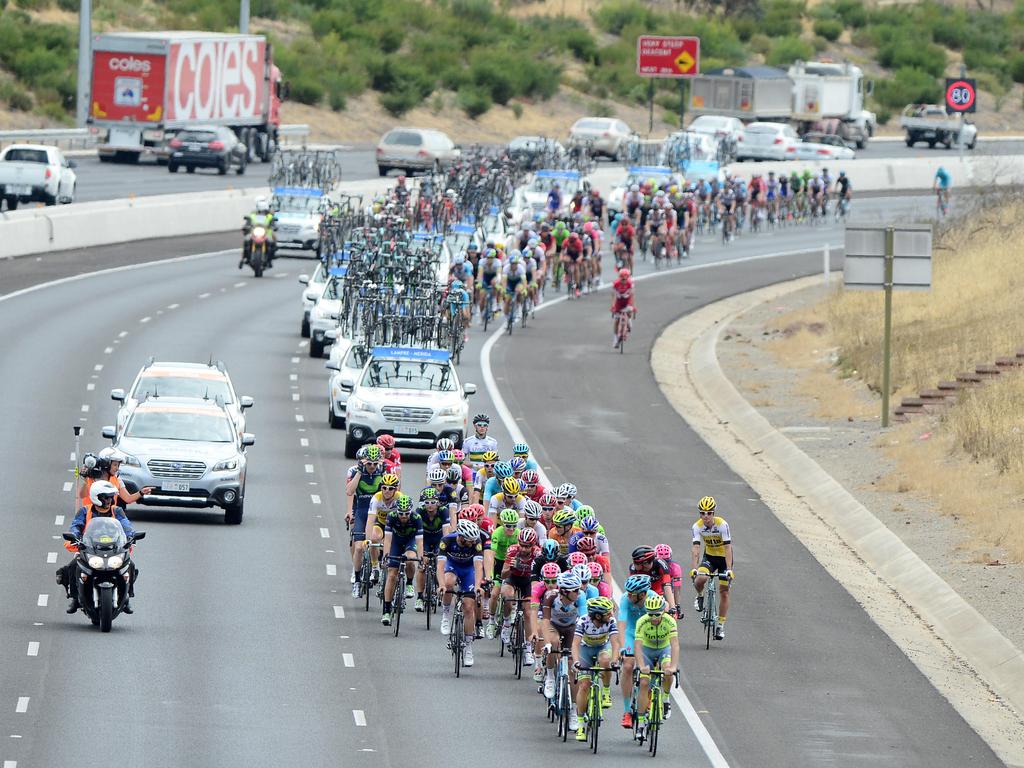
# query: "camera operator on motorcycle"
104 466
102 495
261 217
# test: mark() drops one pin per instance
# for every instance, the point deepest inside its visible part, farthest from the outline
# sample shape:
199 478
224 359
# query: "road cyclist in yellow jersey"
712 535
656 647
382 504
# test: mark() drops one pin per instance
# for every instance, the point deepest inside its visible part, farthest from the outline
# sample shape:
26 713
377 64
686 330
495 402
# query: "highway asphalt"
103 181
246 649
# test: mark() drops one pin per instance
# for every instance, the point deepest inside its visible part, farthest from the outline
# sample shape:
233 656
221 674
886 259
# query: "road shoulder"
967 659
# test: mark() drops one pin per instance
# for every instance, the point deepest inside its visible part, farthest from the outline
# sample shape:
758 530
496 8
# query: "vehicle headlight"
357 405
95 561
220 466
131 461
452 410
115 562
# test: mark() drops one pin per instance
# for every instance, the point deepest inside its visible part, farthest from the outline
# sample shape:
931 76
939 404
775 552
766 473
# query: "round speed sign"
960 95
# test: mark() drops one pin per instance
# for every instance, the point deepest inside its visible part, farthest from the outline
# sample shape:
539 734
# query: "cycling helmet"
530 477
520 449
454 475
478 510
490 457
361 453
508 517
386 442
550 571
446 444
550 550
568 490
597 606
663 552
468 513
428 495
654 604
624 273
589 524
587 545
563 517
643 554
373 453
596 570
458 456
638 582
527 537
532 510
389 480
707 504
503 470
577 558
518 464
569 581
583 511
445 457
467 529
548 499
511 486
404 505
436 475
634 187
102 493
482 418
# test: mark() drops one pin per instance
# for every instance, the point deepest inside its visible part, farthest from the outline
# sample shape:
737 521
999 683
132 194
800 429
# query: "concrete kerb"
709 402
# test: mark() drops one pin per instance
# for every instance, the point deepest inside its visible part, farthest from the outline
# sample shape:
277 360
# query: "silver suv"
188 450
415 149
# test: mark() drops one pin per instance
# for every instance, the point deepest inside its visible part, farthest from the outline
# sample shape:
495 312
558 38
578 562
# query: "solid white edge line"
700 731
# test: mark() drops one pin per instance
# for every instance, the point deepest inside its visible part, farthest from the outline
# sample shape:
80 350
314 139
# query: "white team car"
313 286
346 361
823 146
531 199
324 314
638 174
298 212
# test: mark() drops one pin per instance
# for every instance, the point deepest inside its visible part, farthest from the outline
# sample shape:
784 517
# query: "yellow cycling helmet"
706 504
511 486
389 480
489 457
654 604
600 605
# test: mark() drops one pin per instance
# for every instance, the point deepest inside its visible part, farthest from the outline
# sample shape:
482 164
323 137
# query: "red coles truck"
147 85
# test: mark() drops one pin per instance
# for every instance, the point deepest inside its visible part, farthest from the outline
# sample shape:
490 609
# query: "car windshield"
408 374
104 534
356 357
295 204
458 241
26 156
331 290
182 386
545 183
594 125
181 425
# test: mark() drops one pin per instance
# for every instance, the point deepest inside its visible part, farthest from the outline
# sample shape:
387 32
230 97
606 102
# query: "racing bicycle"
398 599
709 612
457 637
623 325
594 711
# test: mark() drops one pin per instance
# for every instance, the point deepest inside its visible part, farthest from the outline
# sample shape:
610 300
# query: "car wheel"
190 168
241 167
233 513
316 348
106 158
172 167
222 169
973 142
351 446
305 328
383 170
12 203
336 422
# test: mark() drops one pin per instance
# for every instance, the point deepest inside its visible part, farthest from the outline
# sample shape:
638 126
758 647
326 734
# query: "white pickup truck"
34 172
931 124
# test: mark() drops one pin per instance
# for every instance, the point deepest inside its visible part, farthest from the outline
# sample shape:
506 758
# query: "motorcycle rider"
104 466
261 217
102 495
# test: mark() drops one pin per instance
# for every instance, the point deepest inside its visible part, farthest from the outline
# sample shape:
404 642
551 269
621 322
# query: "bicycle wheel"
428 594
487 312
526 311
518 644
594 712
365 576
456 635
399 604
709 615
565 707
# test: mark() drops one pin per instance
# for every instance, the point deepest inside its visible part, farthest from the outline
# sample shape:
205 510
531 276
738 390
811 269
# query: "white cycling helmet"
467 529
570 581
532 510
436 475
446 444
102 489
582 572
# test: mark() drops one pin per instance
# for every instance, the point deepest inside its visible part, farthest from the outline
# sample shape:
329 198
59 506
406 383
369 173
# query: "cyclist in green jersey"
657 642
503 536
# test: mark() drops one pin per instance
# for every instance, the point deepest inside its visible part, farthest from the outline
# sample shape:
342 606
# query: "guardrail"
84 138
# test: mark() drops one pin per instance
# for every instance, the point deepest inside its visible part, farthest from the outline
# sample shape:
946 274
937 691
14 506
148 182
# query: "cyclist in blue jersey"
631 607
522 451
941 186
460 568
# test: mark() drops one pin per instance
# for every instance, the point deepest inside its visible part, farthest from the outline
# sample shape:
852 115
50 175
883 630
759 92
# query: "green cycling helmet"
564 517
508 517
583 511
404 504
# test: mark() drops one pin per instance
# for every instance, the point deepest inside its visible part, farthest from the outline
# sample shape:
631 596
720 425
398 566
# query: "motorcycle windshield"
104 534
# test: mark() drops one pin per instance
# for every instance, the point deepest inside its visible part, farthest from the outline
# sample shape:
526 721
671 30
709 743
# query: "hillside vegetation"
410 52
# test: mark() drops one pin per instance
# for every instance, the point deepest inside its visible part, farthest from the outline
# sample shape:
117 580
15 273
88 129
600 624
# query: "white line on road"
293 377
85 408
10 764
314 498
58 520
304 442
22 706
325 533
360 717
33 649
72 456
108 350
51 557
98 367
122 334
339 612
295 397
146 319
309 469
173 306
347 658
332 569
300 418
204 295
240 285
68 486
90 386
44 600
295 359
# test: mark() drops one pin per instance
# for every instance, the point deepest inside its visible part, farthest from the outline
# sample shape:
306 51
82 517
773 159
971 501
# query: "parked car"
717 126
767 141
415 149
607 135
34 172
213 146
823 146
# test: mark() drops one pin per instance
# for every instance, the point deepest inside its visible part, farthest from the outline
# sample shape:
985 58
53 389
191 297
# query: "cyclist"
664 553
796 182
447 460
434 518
515 584
363 481
647 562
622 301
444 444
383 502
479 443
521 450
489 270
391 457
657 642
447 493
843 193
504 536
502 470
483 475
714 533
460 562
771 195
532 488
554 202
567 491
561 609
514 280
636 590
941 186
510 496
403 533
596 643
727 205
572 253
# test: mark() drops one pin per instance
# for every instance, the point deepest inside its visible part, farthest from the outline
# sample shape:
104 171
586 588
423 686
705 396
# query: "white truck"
36 173
930 123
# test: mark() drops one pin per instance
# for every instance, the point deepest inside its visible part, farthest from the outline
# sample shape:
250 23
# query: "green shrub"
616 15
582 44
306 89
904 51
34 5
745 28
907 86
761 44
883 115
830 29
517 110
781 18
1016 67
982 58
400 101
474 100
19 100
786 50
852 12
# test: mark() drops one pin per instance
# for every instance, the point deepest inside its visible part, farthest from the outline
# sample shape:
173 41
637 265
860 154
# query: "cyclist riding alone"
942 185
713 532
622 301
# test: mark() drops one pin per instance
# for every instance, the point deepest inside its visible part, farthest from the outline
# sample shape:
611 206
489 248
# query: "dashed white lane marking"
85 408
303 344
122 334
295 397
33 649
293 377
22 706
146 319
44 600
90 386
108 350
295 360
68 486
309 469
98 367
58 520
173 306
304 442
72 456
339 612
347 658
240 285
10 764
51 557
204 295
314 498
325 533
359 716
299 417
332 569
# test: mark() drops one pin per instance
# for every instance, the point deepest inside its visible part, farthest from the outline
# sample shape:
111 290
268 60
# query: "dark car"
207 147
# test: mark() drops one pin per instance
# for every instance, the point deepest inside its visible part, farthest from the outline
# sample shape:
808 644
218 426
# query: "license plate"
19 189
195 147
175 485
406 430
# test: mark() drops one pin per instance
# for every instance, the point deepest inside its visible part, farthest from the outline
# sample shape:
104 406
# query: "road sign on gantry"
658 56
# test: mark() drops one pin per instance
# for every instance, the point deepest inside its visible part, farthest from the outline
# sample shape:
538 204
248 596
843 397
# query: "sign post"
961 98
671 57
888 257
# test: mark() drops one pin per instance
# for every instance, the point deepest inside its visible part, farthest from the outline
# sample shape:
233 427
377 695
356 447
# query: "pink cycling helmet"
550 571
663 552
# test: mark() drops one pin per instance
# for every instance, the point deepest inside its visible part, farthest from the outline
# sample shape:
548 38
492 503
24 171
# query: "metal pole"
84 62
682 102
963 74
243 18
650 116
78 458
826 259
887 343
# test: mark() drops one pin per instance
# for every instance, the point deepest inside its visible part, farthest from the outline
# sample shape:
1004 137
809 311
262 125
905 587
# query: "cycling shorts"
715 564
652 656
589 653
465 575
521 584
727 206
360 513
432 541
573 255
565 635
399 547
487 278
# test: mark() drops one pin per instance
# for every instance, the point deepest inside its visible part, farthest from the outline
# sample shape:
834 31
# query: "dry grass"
987 424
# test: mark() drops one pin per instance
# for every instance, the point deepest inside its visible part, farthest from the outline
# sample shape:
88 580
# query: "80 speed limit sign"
961 95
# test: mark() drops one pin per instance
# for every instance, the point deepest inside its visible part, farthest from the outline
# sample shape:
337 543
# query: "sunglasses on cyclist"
568 591
707 514
549 582
509 526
